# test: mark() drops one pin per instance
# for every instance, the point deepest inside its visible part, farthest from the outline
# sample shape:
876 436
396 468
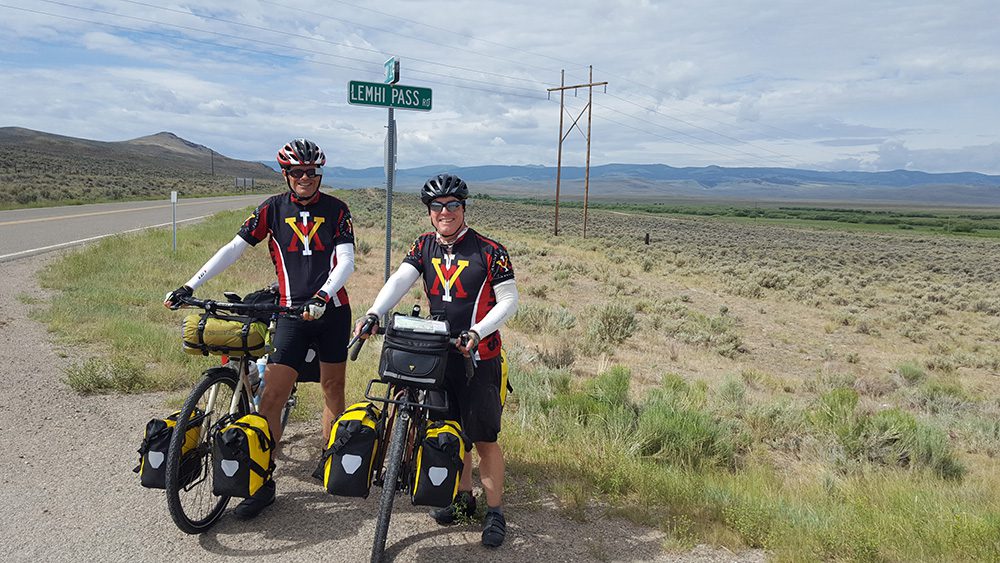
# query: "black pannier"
153 451
415 352
241 455
348 461
440 459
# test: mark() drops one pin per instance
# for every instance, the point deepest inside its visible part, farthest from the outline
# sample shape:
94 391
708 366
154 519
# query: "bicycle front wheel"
189 480
397 444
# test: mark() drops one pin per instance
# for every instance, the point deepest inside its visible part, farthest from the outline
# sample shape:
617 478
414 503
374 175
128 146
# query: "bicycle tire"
192 505
397 445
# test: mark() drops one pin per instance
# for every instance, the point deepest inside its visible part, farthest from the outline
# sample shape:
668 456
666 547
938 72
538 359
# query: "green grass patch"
673 457
98 375
111 293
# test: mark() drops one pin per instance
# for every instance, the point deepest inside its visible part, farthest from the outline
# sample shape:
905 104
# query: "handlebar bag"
241 455
153 451
415 352
232 335
266 296
440 457
349 458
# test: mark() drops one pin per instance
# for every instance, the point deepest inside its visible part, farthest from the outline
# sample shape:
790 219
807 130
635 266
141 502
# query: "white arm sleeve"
340 272
394 289
223 259
507 298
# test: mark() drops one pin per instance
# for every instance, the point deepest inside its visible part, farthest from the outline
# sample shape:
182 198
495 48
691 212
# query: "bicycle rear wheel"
397 444
189 480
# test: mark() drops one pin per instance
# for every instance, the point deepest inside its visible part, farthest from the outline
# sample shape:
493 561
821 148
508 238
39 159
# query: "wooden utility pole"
590 101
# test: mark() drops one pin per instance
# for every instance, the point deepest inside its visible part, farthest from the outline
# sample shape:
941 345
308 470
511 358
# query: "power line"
700 147
245 40
451 32
316 39
689 124
684 134
173 37
665 94
492 85
396 33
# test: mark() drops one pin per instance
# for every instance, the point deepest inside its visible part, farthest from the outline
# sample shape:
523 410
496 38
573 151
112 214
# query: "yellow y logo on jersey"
305 239
448 278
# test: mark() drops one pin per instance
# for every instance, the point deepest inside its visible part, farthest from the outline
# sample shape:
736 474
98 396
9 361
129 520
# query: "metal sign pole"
390 177
390 173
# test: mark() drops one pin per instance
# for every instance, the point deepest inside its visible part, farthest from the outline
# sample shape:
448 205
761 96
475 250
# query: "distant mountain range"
651 182
708 176
167 155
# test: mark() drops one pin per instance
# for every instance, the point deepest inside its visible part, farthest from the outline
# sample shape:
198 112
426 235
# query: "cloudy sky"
843 85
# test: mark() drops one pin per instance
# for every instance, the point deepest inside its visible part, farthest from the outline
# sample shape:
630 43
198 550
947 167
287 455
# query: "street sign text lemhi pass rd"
389 95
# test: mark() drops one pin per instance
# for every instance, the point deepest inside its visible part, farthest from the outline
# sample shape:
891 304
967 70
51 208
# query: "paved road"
25 232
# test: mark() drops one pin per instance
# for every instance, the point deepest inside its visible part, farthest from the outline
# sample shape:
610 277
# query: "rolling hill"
163 151
85 170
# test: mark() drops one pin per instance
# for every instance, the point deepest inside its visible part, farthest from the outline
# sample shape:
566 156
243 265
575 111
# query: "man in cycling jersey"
311 242
469 279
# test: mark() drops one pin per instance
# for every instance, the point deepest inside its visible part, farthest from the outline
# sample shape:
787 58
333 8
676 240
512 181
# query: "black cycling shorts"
328 335
477 403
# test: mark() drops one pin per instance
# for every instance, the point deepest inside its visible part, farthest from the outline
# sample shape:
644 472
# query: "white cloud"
845 83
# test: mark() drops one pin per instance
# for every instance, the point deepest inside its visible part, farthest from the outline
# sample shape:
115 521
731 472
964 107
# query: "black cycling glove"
472 338
173 299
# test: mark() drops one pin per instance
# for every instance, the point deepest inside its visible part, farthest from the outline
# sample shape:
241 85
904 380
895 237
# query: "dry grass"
821 394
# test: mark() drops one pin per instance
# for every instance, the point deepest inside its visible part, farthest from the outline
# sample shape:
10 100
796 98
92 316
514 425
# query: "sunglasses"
452 206
310 173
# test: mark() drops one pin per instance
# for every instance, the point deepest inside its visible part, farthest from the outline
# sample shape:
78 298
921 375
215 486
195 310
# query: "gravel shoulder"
68 492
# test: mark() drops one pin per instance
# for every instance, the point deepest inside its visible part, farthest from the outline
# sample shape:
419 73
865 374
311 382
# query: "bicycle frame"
242 388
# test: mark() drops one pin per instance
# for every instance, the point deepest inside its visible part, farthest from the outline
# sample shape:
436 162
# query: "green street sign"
391 71
389 95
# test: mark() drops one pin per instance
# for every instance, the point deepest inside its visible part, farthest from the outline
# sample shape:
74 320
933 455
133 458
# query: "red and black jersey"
459 280
302 242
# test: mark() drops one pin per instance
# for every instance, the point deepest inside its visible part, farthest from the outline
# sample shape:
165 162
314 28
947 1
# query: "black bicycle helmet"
444 185
300 152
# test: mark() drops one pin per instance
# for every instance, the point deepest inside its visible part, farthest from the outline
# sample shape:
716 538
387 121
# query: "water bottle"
261 366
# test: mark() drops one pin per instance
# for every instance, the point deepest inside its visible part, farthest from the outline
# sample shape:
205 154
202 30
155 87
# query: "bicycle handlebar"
212 306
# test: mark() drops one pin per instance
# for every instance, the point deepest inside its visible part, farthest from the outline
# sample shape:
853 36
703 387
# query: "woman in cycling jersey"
311 242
